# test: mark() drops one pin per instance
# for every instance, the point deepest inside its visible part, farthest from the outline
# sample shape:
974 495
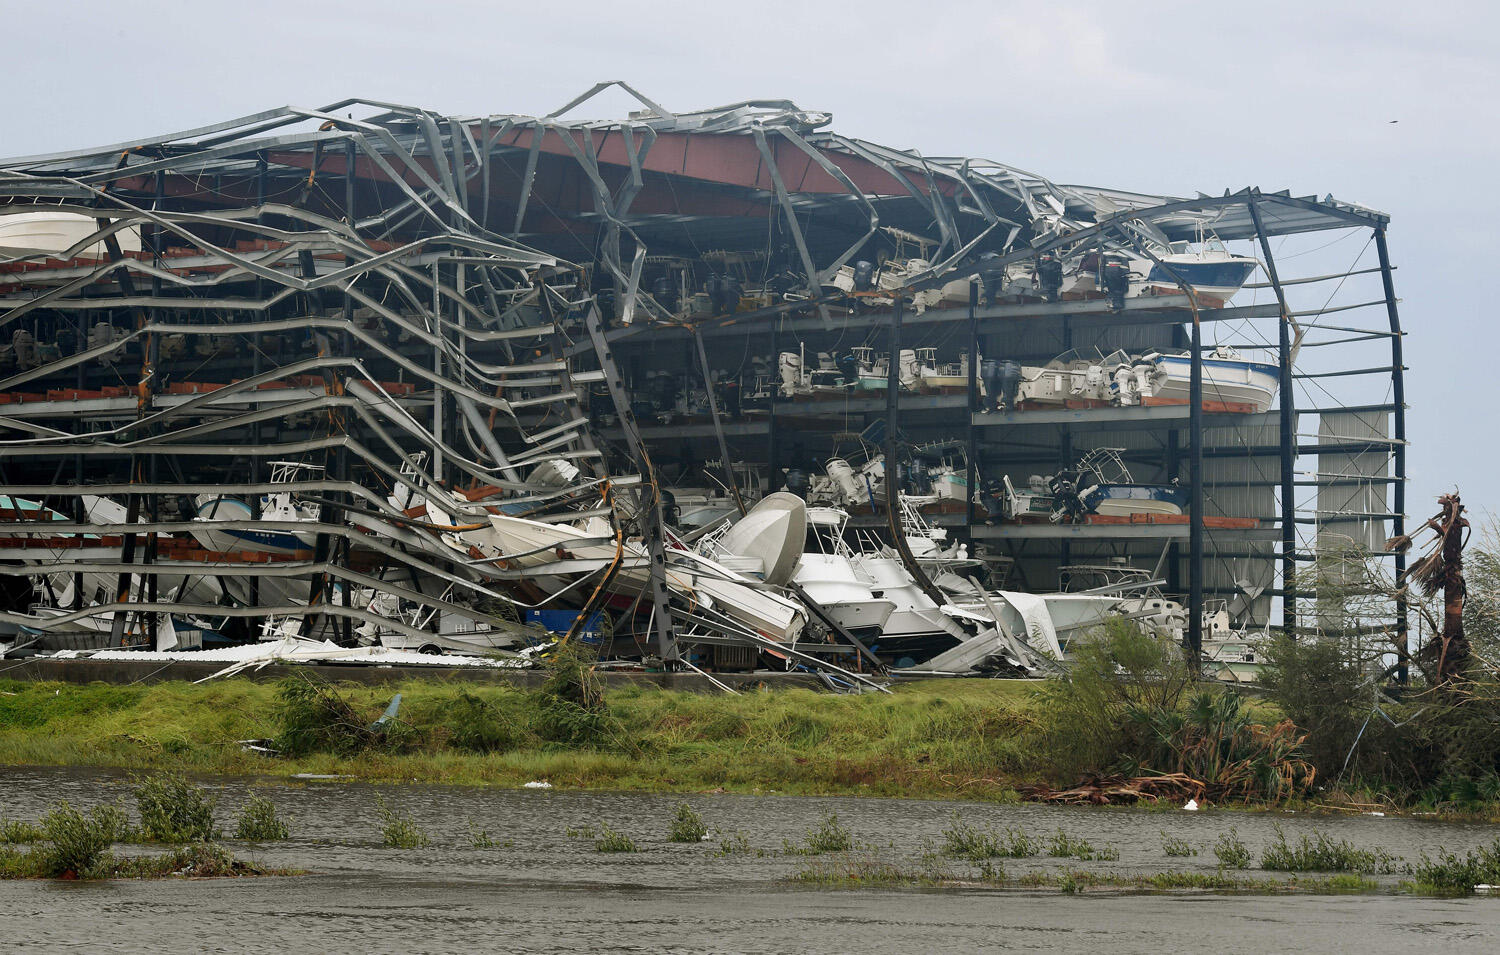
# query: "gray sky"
1168 97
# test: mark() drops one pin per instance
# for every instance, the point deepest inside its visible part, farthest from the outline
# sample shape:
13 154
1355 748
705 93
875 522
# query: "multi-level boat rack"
354 292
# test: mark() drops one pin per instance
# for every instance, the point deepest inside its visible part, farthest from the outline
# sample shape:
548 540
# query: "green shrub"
1175 847
688 826
1064 846
478 726
1449 874
1215 740
316 718
829 836
1324 854
480 838
570 707
736 842
611 841
77 843
398 829
1230 851
14 830
172 809
962 841
258 822
1087 711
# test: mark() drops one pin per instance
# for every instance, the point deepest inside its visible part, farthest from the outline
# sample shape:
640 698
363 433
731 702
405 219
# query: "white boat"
830 579
1227 377
917 625
945 378
773 533
215 509
531 544
1213 271
276 506
52 232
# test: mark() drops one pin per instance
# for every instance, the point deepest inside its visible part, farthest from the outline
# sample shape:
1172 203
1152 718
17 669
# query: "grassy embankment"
975 739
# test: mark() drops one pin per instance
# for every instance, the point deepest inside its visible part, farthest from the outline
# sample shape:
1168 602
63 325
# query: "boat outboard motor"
848 366
991 278
908 371
714 291
797 482
789 365
23 347
1049 275
728 391
729 293
918 478
864 275
664 290
989 377
842 476
992 499
1008 383
663 389
1125 386
670 512
1067 506
1116 276
601 406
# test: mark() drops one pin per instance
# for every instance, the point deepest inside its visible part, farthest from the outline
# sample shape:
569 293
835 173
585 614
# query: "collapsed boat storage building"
370 373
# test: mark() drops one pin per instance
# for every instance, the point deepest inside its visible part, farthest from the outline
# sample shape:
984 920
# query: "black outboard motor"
715 293
797 482
918 478
729 290
992 499
1009 381
670 512
601 406
664 290
728 391
864 275
605 299
663 389
848 366
1067 507
989 375
1049 275
1116 282
991 279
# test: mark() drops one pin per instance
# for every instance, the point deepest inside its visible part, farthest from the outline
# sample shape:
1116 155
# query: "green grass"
968 739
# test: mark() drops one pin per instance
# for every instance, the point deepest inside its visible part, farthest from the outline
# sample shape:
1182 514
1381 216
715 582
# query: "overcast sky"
1164 97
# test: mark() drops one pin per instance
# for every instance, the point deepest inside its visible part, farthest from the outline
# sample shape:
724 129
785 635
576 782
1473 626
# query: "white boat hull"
1229 381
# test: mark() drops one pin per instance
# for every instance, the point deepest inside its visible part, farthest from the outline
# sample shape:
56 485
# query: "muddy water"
542 890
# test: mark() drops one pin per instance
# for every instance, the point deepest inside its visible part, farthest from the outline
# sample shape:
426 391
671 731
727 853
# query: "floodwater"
543 890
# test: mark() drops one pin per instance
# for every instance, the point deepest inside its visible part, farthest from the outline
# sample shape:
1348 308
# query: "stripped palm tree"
1442 568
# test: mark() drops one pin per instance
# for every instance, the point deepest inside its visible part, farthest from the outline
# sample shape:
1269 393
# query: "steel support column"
1286 402
653 528
1398 400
